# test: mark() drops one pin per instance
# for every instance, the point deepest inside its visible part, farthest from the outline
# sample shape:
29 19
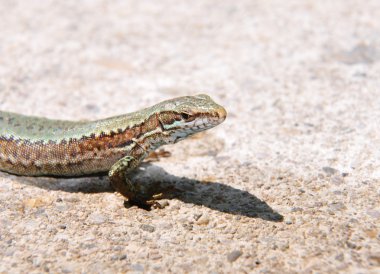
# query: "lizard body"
35 146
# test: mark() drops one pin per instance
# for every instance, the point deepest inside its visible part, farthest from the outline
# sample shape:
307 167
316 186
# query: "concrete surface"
289 183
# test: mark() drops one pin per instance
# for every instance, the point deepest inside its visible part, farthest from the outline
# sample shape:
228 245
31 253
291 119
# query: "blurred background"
300 82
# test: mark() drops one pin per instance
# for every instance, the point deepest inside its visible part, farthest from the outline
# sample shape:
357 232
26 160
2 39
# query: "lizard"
38 146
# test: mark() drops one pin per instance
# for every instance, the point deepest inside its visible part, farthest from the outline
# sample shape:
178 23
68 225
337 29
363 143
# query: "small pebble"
97 218
296 209
148 228
72 199
137 267
92 108
203 220
197 216
165 225
337 206
351 245
337 180
374 213
329 170
234 255
154 256
288 221
62 207
161 204
114 257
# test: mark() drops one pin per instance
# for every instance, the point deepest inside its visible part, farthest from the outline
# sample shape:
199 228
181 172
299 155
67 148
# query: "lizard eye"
185 116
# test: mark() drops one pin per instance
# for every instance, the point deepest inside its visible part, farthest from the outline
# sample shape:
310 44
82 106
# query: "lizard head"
184 116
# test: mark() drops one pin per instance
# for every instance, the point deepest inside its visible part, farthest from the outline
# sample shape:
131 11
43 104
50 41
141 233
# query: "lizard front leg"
136 193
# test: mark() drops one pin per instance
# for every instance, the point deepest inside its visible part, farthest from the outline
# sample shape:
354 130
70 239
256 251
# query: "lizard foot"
147 204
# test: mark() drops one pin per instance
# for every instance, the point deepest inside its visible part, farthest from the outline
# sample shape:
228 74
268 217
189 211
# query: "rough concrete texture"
288 183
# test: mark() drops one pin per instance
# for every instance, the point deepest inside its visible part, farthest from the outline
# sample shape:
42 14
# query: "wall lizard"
36 146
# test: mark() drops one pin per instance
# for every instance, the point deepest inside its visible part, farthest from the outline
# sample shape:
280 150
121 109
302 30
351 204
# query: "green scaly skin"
35 146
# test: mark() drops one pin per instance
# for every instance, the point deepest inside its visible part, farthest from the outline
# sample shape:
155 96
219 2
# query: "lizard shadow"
214 195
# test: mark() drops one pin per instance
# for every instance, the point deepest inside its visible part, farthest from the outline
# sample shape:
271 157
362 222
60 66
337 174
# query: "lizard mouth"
203 123
208 121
